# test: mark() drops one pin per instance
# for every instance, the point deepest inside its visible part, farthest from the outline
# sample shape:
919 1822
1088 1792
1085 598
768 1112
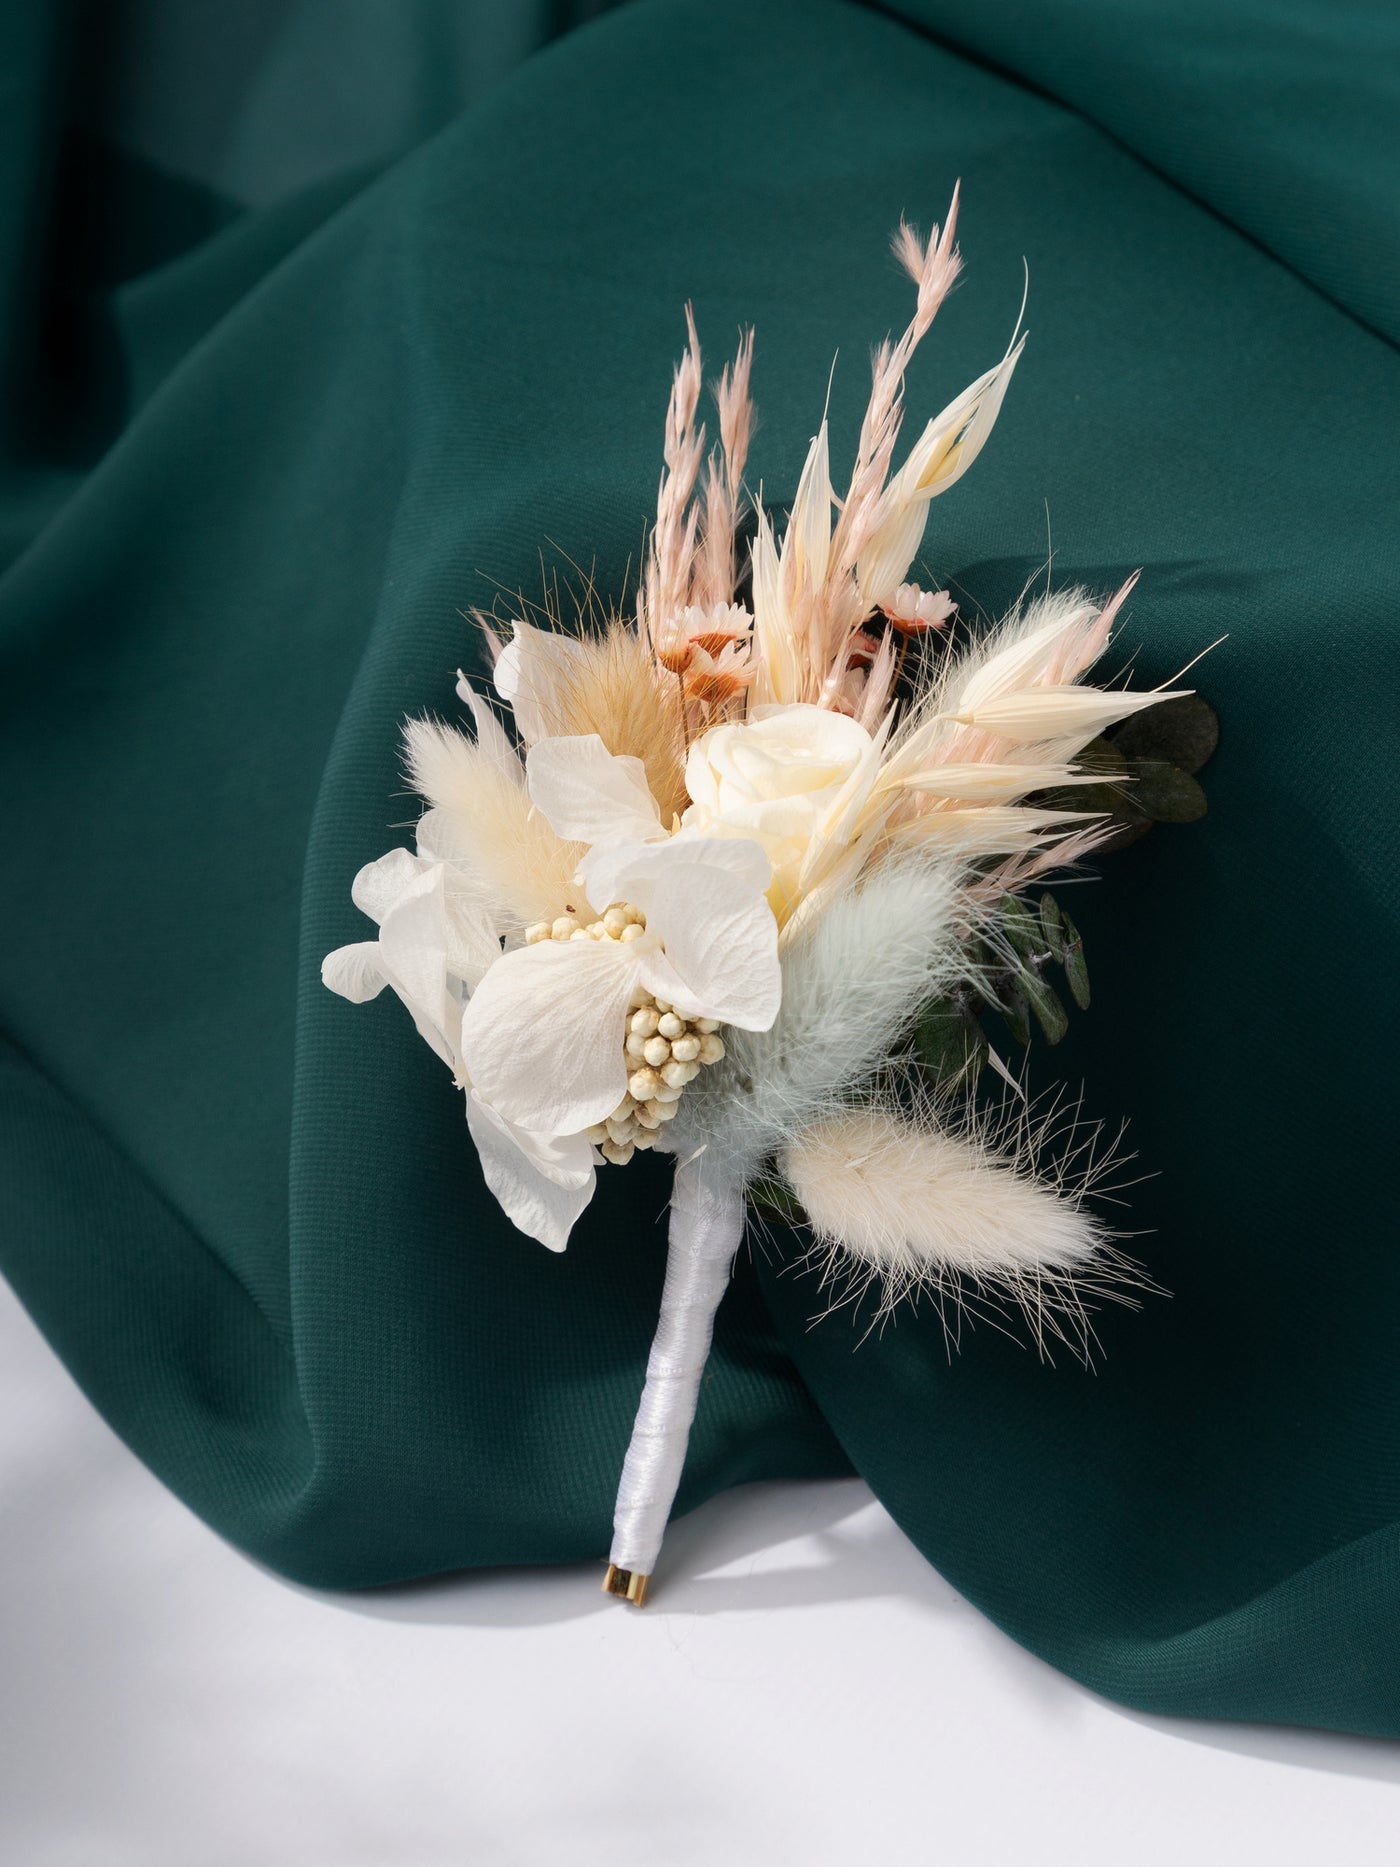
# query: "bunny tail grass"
902 1202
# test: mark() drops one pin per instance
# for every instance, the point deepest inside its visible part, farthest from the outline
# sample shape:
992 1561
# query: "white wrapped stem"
707 1225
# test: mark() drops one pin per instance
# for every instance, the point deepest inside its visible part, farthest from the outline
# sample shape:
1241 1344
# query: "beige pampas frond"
611 688
852 979
906 1199
609 684
525 869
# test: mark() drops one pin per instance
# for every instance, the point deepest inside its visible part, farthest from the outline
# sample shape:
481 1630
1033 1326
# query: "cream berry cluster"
664 1049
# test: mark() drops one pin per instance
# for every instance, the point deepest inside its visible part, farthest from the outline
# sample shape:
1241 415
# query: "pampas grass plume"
609 687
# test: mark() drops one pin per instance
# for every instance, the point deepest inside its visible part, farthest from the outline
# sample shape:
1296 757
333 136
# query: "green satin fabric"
310 334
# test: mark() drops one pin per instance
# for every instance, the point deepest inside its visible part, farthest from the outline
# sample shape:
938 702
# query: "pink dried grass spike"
667 581
716 569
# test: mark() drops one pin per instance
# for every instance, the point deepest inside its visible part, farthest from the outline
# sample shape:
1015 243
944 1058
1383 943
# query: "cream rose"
790 780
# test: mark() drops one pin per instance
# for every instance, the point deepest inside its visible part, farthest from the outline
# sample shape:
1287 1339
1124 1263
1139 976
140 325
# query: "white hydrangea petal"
532 675
354 971
541 1183
543 1033
439 840
413 945
472 943
382 883
630 872
739 856
589 794
721 947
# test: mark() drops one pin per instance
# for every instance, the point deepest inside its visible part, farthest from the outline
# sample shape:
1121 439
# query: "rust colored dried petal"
677 658
714 688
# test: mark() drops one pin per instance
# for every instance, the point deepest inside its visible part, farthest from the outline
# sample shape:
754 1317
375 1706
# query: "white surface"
806 1690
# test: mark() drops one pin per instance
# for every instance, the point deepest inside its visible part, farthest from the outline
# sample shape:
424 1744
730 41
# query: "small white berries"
663 1049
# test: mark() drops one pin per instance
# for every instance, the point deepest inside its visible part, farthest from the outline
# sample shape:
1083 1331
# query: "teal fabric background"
314 325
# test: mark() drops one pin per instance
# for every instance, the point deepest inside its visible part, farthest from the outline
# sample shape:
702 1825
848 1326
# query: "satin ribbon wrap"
707 1225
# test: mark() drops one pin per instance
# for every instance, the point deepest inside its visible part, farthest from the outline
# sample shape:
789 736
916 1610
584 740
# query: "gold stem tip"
627 1585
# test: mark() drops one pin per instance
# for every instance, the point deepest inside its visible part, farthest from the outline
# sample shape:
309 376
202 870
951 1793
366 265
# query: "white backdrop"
803 1690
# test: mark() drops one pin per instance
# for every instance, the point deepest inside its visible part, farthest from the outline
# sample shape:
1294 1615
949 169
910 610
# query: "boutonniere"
747 873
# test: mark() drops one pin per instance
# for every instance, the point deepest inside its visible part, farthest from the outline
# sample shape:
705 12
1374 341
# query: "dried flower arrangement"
762 841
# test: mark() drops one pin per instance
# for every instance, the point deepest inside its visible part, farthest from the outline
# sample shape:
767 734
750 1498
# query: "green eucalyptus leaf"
1182 732
1076 971
1022 927
1167 794
1052 926
1128 822
1044 1001
1015 1012
949 1042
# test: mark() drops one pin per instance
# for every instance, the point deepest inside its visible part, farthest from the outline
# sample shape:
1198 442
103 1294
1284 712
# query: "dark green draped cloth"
317 318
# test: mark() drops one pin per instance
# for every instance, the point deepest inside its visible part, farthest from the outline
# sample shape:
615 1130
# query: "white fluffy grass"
983 1212
901 1198
851 982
